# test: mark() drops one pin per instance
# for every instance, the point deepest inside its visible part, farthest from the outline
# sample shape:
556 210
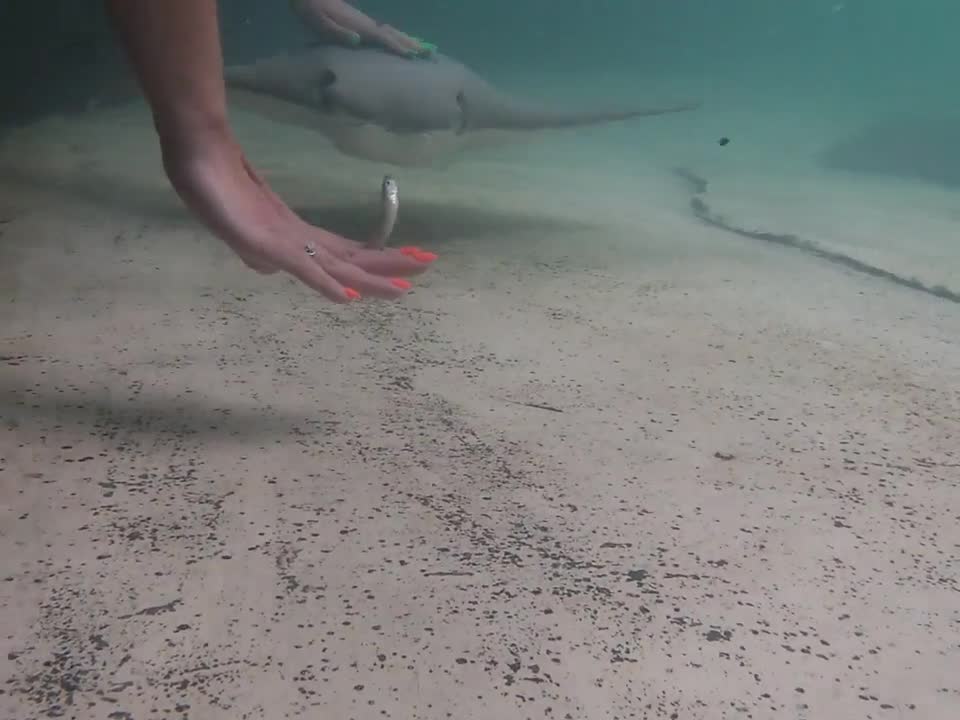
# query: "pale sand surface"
223 498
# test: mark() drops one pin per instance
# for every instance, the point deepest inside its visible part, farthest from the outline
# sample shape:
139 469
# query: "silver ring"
310 250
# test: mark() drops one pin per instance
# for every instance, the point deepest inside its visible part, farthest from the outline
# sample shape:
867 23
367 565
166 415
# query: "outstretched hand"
215 180
174 45
351 26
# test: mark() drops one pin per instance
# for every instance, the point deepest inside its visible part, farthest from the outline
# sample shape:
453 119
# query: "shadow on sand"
419 221
100 413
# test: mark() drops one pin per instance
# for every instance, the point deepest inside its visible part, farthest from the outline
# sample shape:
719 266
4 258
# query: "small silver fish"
390 206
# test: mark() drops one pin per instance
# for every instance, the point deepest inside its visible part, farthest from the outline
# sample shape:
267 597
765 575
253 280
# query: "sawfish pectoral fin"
687 105
668 108
464 121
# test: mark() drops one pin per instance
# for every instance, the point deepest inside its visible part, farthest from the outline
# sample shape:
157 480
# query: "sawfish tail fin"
503 113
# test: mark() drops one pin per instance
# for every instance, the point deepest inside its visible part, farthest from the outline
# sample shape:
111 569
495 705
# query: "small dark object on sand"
535 406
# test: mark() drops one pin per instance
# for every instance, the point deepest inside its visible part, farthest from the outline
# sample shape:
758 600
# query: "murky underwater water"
668 432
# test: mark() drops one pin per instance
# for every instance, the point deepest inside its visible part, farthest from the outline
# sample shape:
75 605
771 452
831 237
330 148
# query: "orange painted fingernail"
425 257
401 283
351 294
410 250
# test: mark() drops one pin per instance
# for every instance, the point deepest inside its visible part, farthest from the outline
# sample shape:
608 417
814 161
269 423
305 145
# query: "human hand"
339 18
215 180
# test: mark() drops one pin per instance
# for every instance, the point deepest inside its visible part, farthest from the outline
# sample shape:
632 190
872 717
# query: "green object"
426 48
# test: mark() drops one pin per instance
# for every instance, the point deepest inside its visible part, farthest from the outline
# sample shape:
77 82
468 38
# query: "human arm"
174 47
352 26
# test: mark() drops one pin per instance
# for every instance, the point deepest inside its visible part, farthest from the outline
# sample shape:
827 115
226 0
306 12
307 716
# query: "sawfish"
376 105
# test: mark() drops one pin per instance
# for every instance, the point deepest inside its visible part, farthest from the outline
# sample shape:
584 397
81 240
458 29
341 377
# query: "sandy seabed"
604 462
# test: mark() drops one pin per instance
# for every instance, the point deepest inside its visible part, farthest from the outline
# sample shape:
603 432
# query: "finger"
393 262
341 281
313 275
389 262
395 40
350 275
350 17
346 36
408 43
327 16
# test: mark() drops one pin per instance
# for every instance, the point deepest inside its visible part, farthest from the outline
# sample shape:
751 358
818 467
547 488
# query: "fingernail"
351 294
425 257
401 283
354 38
410 250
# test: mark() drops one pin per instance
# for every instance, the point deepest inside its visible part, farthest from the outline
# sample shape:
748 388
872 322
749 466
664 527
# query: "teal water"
862 50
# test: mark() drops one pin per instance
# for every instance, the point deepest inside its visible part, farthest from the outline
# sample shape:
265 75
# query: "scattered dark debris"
536 406
154 609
